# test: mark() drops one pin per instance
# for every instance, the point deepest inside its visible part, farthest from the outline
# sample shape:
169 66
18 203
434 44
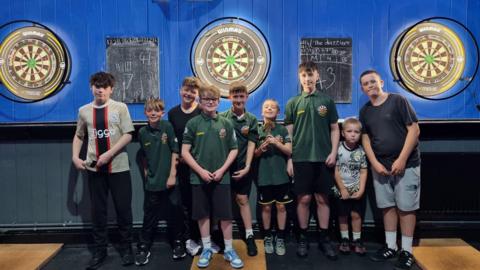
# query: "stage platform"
27 256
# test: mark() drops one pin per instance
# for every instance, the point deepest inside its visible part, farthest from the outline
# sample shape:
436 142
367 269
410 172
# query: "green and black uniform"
157 145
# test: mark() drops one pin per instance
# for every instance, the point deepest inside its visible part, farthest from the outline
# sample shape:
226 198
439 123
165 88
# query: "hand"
331 160
171 181
206 175
398 167
357 195
290 167
264 146
79 163
344 194
380 169
241 173
218 175
104 159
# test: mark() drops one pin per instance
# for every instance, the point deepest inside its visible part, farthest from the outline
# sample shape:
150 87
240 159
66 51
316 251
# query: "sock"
281 234
268 232
344 234
356 235
206 242
323 234
248 232
407 243
228 244
391 239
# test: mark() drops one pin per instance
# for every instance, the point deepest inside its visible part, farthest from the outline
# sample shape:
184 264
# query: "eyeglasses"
206 100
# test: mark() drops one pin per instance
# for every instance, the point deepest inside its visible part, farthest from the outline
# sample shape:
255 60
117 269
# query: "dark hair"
307 66
368 71
102 80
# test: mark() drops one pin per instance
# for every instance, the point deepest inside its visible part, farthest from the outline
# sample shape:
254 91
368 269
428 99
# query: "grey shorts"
401 191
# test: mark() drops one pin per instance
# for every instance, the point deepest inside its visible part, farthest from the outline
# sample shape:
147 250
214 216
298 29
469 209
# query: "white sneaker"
192 247
215 248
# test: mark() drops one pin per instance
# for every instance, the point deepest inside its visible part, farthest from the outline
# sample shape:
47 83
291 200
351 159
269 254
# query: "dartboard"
32 63
230 52
430 59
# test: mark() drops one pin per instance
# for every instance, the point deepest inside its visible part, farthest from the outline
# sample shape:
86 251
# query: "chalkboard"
333 57
134 63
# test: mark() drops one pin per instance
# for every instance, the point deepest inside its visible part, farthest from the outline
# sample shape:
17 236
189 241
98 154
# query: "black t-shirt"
179 120
386 126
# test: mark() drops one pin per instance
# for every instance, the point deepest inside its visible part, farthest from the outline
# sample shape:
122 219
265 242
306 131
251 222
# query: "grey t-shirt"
386 126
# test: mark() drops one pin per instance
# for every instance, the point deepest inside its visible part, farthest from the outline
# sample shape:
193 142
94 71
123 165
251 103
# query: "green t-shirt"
311 116
211 139
157 145
272 167
246 129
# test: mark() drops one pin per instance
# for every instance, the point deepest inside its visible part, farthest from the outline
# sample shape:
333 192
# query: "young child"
209 148
109 128
274 149
350 177
311 119
246 130
160 153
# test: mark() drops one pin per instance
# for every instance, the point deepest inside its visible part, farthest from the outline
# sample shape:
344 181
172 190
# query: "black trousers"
190 226
155 204
120 186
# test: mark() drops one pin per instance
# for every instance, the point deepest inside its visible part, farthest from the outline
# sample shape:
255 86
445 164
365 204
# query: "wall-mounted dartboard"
428 59
230 51
33 63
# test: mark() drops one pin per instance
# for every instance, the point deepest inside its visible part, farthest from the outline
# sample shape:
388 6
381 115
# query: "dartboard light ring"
430 59
33 63
228 52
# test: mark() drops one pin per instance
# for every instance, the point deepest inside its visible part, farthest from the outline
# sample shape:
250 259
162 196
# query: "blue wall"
372 24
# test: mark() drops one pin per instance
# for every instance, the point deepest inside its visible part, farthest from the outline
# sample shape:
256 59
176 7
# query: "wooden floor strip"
26 256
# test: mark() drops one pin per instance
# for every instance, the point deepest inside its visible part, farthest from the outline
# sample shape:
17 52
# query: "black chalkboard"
333 57
134 63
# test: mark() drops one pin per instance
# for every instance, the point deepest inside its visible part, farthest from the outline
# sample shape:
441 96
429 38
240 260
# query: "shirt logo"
245 130
102 133
200 133
222 133
322 110
300 112
185 131
164 138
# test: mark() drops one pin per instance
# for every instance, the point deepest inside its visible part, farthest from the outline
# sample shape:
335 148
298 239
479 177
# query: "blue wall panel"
372 24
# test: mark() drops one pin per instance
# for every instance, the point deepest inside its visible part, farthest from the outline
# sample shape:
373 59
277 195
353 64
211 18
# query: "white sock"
228 244
248 232
344 234
206 242
391 239
356 235
407 243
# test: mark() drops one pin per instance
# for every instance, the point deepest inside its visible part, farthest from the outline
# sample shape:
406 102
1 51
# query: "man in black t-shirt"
179 116
390 141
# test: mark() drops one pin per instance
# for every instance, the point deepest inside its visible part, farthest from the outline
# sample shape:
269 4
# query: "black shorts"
345 207
242 186
274 194
211 200
312 177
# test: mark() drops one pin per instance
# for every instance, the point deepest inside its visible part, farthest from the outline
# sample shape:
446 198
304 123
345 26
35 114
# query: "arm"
363 182
172 178
261 149
376 165
413 132
334 138
341 187
218 174
188 158
248 161
290 161
76 147
107 156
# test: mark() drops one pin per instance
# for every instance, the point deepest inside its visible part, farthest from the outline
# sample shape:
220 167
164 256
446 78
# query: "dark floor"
73 257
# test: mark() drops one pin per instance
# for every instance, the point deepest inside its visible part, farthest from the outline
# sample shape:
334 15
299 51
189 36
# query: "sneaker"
405 260
192 247
215 248
178 250
97 260
233 258
344 246
141 258
302 246
127 257
327 248
205 258
358 247
268 243
383 254
251 246
280 246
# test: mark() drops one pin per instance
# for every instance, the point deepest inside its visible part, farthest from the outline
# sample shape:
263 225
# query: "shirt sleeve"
363 160
172 140
81 127
286 135
125 121
253 134
232 144
407 113
289 113
189 133
333 116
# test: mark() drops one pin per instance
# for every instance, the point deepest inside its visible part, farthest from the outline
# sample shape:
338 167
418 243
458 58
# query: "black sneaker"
141 258
405 260
383 254
97 260
327 248
251 246
358 247
344 246
302 246
127 257
178 250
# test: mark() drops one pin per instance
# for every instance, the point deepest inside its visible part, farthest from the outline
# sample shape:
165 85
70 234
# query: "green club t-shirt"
211 139
272 167
157 145
311 116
